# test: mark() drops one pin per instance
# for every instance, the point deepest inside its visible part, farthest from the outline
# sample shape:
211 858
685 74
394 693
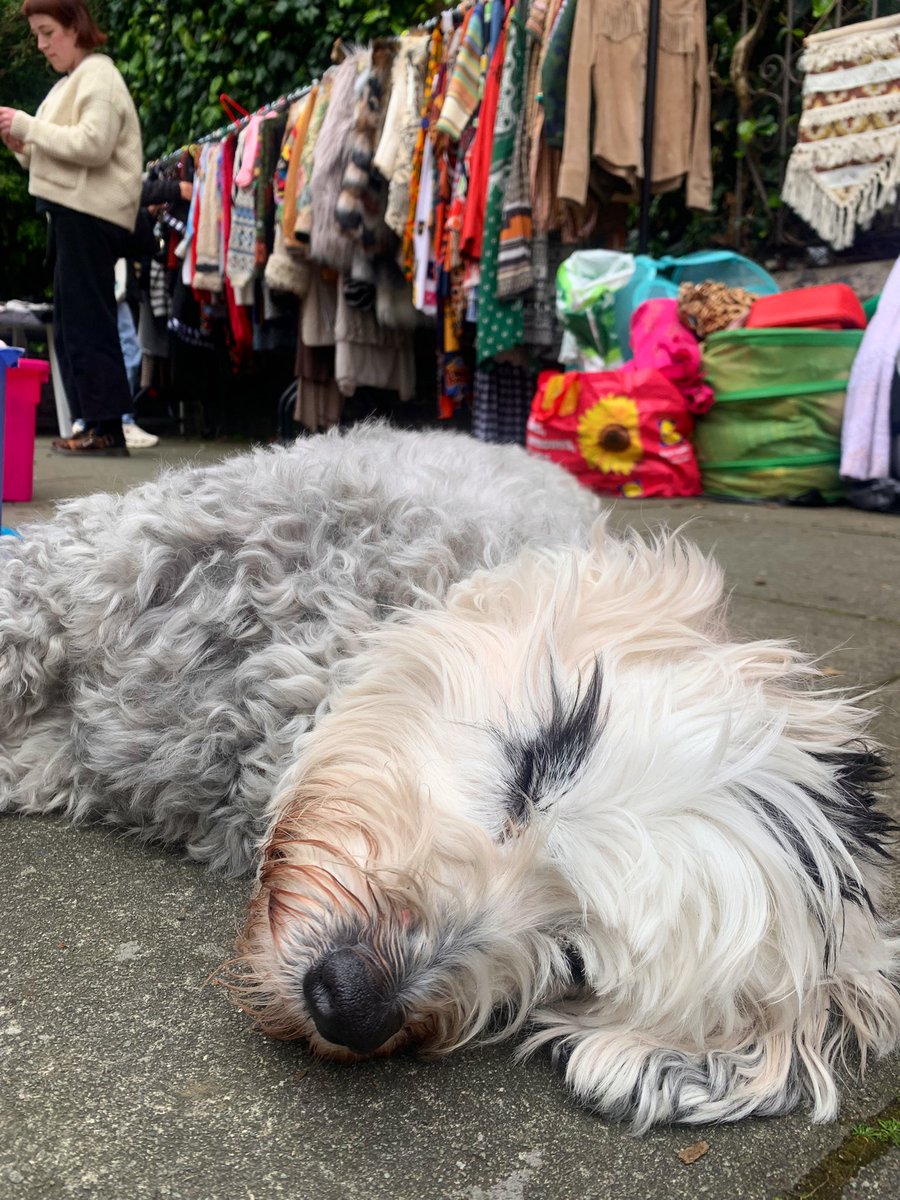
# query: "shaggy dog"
504 772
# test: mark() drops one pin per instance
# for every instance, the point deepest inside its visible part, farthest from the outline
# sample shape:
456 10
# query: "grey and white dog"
497 770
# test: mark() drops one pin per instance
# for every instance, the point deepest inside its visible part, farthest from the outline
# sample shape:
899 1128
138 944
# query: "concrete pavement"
125 1073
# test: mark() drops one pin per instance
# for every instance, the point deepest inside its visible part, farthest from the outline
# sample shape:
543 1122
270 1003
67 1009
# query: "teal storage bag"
661 277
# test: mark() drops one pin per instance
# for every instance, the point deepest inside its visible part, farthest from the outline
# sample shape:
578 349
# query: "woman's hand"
12 143
6 120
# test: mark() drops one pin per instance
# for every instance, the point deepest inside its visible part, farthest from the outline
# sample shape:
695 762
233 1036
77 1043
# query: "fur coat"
328 245
360 206
394 155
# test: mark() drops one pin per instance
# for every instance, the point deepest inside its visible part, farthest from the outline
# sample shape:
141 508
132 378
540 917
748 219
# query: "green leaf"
746 130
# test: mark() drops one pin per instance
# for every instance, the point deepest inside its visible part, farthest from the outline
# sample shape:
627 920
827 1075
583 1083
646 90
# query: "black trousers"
85 328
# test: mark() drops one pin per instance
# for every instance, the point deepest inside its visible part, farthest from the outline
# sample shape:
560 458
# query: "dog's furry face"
567 800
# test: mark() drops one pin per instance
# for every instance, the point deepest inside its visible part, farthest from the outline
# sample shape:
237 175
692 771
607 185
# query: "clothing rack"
285 101
233 127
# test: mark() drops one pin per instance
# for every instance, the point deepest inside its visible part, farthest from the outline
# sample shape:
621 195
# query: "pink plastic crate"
23 392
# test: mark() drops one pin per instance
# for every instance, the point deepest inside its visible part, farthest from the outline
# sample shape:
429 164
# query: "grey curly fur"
163 654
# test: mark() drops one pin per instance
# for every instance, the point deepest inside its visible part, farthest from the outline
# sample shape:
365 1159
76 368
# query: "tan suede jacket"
607 69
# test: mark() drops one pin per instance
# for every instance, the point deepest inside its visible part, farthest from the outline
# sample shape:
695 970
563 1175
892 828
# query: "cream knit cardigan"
83 146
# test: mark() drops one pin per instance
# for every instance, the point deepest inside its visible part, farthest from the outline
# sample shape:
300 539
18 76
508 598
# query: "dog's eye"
543 762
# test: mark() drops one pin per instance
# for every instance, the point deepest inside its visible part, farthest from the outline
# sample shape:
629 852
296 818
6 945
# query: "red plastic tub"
826 306
23 393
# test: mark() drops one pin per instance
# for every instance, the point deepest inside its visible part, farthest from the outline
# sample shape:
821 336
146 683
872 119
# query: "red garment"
482 151
238 317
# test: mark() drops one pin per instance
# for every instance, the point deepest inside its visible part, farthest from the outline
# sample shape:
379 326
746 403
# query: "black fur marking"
861 827
548 760
576 965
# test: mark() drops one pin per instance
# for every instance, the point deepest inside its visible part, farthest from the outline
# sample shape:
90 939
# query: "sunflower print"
668 432
609 437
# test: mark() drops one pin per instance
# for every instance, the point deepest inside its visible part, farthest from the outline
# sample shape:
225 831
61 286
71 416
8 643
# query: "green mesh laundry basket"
774 432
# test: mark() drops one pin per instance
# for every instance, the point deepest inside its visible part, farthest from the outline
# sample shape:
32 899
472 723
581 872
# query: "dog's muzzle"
349 1004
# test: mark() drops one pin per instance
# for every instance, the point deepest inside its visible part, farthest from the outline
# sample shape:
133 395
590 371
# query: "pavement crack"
816 608
866 1142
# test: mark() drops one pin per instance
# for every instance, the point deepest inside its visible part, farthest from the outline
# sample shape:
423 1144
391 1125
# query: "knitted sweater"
83 146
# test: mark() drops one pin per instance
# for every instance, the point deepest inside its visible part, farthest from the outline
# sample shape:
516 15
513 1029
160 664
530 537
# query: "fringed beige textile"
846 165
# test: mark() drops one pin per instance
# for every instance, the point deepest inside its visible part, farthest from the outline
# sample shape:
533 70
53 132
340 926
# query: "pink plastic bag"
661 343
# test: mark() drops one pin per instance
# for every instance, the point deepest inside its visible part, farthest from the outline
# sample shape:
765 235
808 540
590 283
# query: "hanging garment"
554 73
407 255
361 202
240 262
607 69
396 148
208 270
845 166
367 355
244 177
270 137
287 271
328 245
238 316
283 162
303 216
866 427
515 269
464 88
425 276
501 323
292 182
482 150
503 394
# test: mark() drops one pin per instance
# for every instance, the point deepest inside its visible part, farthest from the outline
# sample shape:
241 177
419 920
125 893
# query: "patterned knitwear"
464 90
501 323
241 259
407 252
208 275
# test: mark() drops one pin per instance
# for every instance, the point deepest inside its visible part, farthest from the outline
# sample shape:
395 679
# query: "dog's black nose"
350 1006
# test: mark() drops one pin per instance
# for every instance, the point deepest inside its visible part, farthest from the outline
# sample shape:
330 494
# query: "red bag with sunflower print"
624 432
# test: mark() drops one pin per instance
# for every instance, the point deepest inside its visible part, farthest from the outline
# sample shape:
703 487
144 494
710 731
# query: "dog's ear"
857 769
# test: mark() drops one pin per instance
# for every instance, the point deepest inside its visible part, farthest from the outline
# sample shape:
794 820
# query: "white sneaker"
137 438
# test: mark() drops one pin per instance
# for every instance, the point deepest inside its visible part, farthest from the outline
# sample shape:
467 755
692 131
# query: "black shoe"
91 442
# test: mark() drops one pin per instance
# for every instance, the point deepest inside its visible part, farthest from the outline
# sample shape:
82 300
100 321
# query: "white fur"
475 746
720 978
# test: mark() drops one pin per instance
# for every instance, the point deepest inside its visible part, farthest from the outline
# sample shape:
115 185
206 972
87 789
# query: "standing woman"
82 150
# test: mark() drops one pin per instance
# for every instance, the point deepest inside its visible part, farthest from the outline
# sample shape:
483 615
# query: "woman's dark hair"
71 14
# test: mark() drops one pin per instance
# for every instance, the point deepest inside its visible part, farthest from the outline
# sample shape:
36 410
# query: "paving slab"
125 1071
